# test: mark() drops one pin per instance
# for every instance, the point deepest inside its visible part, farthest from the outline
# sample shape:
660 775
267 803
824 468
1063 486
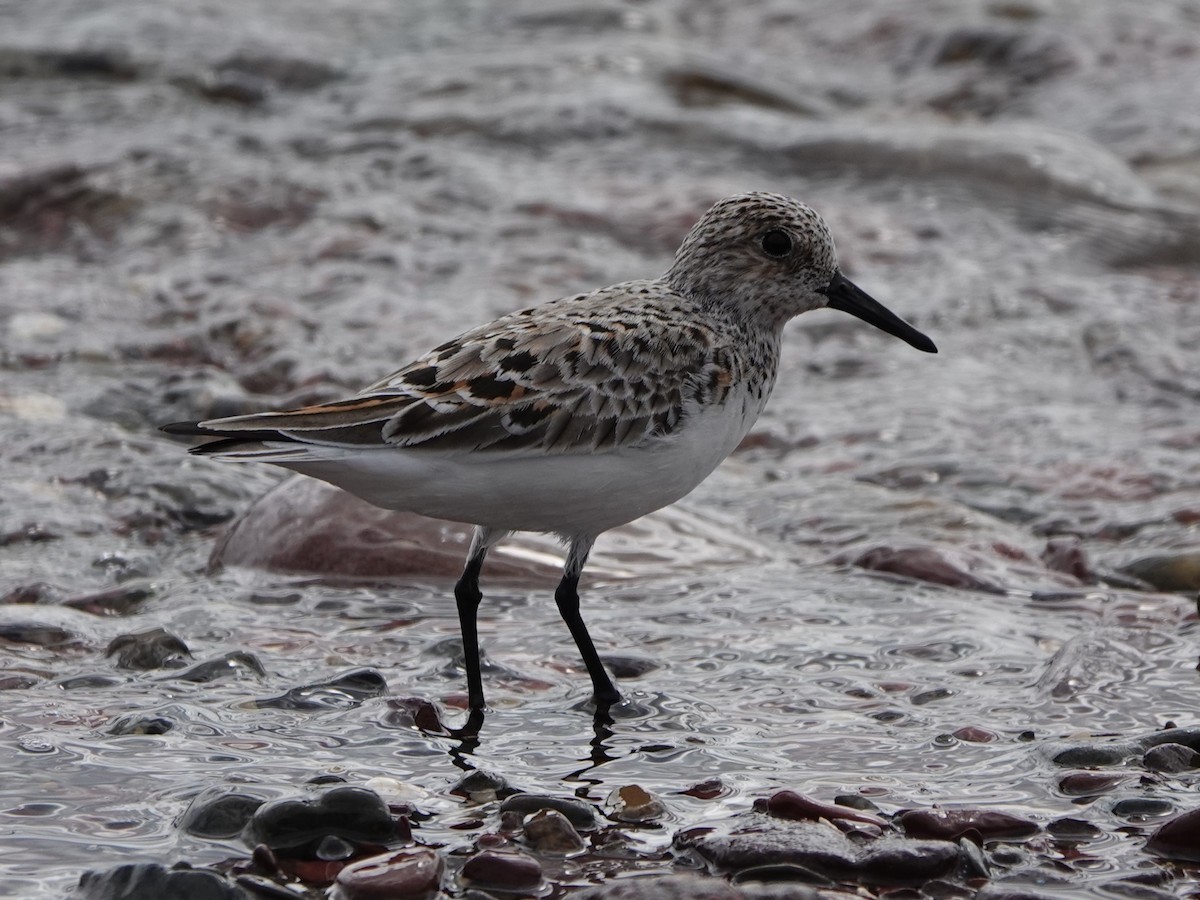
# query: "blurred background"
209 208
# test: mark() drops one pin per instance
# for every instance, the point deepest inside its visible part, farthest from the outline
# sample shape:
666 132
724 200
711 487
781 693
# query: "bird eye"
776 243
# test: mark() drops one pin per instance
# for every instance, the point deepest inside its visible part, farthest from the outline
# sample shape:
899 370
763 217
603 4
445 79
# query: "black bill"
845 295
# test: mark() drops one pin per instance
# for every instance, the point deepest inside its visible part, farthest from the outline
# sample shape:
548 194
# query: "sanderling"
581 414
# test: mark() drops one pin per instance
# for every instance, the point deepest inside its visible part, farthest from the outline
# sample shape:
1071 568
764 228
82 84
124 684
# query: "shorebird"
580 414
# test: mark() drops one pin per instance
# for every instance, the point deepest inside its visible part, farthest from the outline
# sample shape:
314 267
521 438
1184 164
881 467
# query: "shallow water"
912 583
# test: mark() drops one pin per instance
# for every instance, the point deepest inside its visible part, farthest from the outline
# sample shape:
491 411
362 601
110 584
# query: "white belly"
564 494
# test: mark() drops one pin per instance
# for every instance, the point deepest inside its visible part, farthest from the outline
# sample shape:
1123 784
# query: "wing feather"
600 371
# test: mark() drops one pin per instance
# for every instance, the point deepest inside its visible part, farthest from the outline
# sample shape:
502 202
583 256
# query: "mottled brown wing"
574 376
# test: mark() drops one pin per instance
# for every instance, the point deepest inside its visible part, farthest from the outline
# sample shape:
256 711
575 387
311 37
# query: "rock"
952 824
1111 753
153 649
414 712
49 208
973 734
1066 554
232 87
504 871
298 825
482 786
220 812
140 724
662 887
1141 808
412 873
152 881
1167 572
633 803
780 874
344 691
1089 784
932 564
709 789
39 635
289 72
118 601
306 526
798 807
1171 758
106 63
823 849
549 831
1071 829
1178 839
232 664
579 814
625 667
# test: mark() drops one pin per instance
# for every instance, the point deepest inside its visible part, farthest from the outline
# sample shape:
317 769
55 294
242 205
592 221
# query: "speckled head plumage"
762 254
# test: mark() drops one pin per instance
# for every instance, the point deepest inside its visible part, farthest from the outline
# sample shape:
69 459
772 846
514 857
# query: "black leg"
467 596
567 598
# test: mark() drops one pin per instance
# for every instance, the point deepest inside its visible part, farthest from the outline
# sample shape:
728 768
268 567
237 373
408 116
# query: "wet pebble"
581 815
345 691
298 825
137 723
232 664
824 849
1071 829
1111 753
152 881
118 601
1142 808
153 649
1066 554
232 87
791 805
1171 758
483 786
415 872
781 873
414 712
502 870
973 734
952 824
1088 784
709 789
220 812
549 831
1167 572
625 667
930 564
37 634
633 803
289 72
1178 839
666 887
305 526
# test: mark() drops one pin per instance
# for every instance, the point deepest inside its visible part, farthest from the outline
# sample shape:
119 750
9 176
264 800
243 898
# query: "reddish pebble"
1178 839
973 734
708 789
1085 784
503 871
790 805
412 873
1066 554
952 824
